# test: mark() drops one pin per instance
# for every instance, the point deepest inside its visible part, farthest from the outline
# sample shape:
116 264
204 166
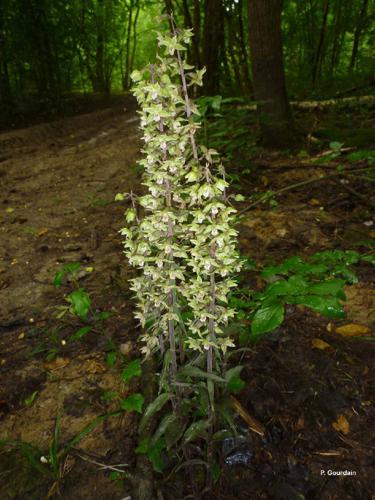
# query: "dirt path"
58 183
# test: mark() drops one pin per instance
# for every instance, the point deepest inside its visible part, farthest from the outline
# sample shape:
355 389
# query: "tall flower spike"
185 245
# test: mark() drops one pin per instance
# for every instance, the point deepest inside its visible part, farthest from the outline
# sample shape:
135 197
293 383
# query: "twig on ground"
354 192
101 465
332 177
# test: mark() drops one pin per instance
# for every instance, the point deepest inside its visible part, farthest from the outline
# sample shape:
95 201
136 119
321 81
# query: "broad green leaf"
336 146
133 369
331 287
142 446
58 278
169 419
173 433
280 287
297 284
327 306
154 454
267 318
72 267
196 430
194 371
345 272
235 383
111 358
156 405
80 302
133 403
80 333
222 434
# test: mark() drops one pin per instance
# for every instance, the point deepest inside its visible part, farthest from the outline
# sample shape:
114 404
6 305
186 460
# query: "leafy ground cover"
307 402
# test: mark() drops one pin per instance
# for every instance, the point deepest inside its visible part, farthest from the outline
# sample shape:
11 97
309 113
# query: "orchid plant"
180 234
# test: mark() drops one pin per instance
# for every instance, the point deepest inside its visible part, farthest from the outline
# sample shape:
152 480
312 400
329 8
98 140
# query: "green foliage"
155 406
153 452
133 403
363 154
69 269
80 303
317 284
111 358
133 370
80 333
30 400
49 463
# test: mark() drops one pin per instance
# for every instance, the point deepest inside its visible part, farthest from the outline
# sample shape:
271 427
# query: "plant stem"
185 91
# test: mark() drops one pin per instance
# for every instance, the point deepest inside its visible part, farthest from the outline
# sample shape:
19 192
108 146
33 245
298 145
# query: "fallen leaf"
300 423
126 348
341 425
314 202
94 366
332 453
329 327
352 330
372 234
320 344
56 364
42 231
253 424
264 180
9 210
21 336
281 232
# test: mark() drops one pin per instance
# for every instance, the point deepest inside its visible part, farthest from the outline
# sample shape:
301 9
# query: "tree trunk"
277 126
212 42
126 80
138 8
319 51
244 61
100 84
5 93
357 34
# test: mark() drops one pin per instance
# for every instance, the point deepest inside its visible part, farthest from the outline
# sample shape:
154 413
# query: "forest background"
53 51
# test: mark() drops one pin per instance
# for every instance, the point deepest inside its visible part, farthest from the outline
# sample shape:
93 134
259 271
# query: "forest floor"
309 386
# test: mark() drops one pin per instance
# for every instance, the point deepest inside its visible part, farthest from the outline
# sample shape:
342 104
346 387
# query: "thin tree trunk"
244 59
138 7
336 44
319 51
277 126
357 34
197 32
100 47
126 81
5 92
213 40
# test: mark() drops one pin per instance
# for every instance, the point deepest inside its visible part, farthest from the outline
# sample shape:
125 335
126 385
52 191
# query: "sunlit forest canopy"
50 48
